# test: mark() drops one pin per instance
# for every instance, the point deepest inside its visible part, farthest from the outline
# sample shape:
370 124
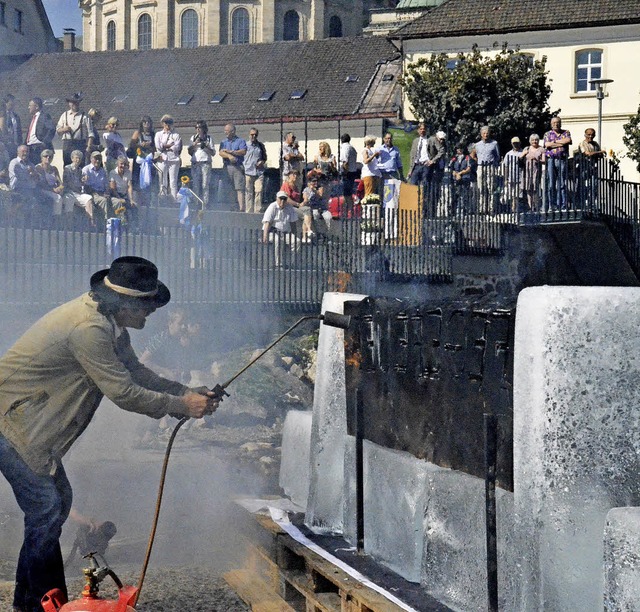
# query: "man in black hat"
51 383
75 129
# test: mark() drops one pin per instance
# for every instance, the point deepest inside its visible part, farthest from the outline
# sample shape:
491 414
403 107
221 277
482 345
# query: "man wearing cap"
75 129
169 146
279 225
512 173
51 383
40 132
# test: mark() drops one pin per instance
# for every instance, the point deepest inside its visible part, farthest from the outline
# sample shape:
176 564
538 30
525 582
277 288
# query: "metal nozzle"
335 319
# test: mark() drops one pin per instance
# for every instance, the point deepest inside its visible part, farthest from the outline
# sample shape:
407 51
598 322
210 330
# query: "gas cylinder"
90 601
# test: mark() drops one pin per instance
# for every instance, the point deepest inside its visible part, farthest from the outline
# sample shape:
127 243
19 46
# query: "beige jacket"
53 378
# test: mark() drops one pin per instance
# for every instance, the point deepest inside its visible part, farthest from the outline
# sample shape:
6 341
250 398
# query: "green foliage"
631 138
508 91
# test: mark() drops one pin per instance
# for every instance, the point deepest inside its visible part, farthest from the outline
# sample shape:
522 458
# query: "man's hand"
200 402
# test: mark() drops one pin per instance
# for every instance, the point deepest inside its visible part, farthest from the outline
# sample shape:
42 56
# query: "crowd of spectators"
104 175
534 178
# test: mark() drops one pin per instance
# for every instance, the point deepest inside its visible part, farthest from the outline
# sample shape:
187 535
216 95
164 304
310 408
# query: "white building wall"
34 34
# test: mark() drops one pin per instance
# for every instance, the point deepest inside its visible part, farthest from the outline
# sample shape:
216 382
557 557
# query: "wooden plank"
255 592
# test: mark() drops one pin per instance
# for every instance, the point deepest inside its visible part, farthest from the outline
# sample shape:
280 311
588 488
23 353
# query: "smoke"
115 477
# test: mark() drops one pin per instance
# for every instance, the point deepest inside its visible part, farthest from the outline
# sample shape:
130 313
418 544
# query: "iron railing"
46 260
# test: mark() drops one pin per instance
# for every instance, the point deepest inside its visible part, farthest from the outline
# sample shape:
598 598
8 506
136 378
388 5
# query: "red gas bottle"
55 601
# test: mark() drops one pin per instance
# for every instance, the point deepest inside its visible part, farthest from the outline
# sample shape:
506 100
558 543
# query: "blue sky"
63 14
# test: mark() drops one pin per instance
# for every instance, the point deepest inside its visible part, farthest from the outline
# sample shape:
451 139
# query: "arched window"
240 27
111 36
588 67
189 29
144 32
335 27
291 29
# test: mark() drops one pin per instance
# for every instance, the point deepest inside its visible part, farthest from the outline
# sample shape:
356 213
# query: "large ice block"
395 501
294 465
622 560
576 432
329 426
427 523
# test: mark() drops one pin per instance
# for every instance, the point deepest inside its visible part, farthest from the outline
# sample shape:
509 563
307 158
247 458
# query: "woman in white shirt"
370 173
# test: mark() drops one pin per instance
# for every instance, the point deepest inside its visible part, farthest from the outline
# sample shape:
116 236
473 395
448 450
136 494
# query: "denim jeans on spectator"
201 175
46 502
556 184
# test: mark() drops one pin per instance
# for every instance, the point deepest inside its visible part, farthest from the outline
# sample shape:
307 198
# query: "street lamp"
601 85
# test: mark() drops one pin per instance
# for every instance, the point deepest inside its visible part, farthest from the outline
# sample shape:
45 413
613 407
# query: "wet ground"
114 469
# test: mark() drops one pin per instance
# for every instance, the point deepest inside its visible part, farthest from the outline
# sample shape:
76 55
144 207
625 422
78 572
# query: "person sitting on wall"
73 186
96 184
121 190
290 187
23 179
279 225
50 184
313 200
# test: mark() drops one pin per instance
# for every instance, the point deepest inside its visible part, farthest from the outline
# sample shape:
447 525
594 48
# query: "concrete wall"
620 46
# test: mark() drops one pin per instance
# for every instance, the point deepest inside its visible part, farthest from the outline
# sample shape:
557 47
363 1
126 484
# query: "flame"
353 360
339 281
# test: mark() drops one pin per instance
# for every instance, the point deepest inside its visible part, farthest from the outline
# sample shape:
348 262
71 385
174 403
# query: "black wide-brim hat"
132 281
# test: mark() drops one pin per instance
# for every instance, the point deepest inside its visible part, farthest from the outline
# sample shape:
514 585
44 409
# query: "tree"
508 92
631 138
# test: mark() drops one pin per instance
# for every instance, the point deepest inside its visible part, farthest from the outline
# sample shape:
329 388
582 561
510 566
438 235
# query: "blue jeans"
46 502
556 184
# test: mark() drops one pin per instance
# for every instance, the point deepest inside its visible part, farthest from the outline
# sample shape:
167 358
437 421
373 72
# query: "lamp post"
600 87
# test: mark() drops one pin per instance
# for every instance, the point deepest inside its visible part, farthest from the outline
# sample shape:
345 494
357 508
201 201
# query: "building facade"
110 25
582 40
25 28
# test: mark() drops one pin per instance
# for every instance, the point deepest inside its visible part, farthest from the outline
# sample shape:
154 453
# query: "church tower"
109 25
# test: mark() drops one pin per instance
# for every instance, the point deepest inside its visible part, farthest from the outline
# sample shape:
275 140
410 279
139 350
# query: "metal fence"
45 260
224 265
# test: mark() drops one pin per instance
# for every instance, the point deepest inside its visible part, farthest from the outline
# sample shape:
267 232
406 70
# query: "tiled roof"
152 82
476 17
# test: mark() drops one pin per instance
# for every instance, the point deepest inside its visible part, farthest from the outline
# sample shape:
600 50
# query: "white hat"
282 194
441 135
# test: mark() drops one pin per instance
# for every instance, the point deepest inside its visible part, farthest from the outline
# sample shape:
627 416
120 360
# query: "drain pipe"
490 465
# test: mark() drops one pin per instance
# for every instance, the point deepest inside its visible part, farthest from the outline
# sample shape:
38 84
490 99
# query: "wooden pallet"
282 575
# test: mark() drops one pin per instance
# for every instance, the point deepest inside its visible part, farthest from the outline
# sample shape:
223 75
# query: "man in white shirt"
169 145
419 172
75 129
279 225
348 169
40 132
